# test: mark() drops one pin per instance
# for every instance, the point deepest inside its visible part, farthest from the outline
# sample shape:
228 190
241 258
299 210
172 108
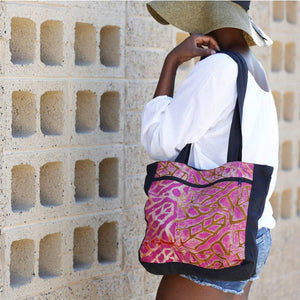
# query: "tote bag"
204 222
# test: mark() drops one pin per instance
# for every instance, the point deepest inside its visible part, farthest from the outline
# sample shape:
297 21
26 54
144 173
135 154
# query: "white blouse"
201 113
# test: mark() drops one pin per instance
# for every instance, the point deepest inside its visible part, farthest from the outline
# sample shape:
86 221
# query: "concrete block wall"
75 76
62 150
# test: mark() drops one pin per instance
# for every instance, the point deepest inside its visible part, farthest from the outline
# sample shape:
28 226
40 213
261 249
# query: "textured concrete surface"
75 76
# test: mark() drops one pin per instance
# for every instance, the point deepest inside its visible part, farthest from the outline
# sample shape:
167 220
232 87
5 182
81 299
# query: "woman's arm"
188 49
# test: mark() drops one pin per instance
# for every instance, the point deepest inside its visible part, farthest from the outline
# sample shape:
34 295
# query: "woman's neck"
231 39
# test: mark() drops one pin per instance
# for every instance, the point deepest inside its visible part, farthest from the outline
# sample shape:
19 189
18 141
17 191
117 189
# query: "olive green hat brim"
206 16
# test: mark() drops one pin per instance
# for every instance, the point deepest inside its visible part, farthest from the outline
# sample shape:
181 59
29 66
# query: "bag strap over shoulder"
235 138
235 144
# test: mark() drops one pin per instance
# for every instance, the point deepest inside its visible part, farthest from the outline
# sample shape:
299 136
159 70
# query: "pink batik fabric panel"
205 227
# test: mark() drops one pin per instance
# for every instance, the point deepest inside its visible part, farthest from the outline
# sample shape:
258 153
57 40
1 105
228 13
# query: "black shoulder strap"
235 144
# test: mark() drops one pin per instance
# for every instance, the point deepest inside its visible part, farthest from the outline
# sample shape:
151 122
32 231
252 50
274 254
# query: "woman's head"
205 17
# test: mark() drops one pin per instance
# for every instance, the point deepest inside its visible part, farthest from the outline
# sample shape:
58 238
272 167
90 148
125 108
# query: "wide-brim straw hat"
206 16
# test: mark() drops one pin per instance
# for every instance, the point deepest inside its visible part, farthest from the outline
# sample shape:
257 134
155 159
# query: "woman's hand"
188 49
193 46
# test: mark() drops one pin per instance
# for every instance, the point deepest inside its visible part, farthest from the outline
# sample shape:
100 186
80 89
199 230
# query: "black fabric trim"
239 179
261 180
241 272
184 154
151 171
235 145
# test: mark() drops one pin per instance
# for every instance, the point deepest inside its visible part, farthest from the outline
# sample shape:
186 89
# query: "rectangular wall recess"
287 157
109 178
85 44
84 247
52 43
288 106
86 112
290 57
23 183
291 11
277 56
23 114
51 184
108 242
110 112
110 46
50 256
85 180
52 113
23 40
278 10
286 204
21 262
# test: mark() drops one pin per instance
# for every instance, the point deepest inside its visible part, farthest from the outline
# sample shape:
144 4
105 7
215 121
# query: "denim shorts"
263 242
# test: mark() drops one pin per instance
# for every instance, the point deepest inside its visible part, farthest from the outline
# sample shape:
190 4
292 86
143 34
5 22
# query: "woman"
201 112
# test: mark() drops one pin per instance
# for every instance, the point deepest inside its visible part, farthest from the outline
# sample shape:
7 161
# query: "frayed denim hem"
218 287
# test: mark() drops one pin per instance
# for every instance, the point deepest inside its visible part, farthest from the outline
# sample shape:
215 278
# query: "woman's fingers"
203 51
204 45
195 45
205 40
